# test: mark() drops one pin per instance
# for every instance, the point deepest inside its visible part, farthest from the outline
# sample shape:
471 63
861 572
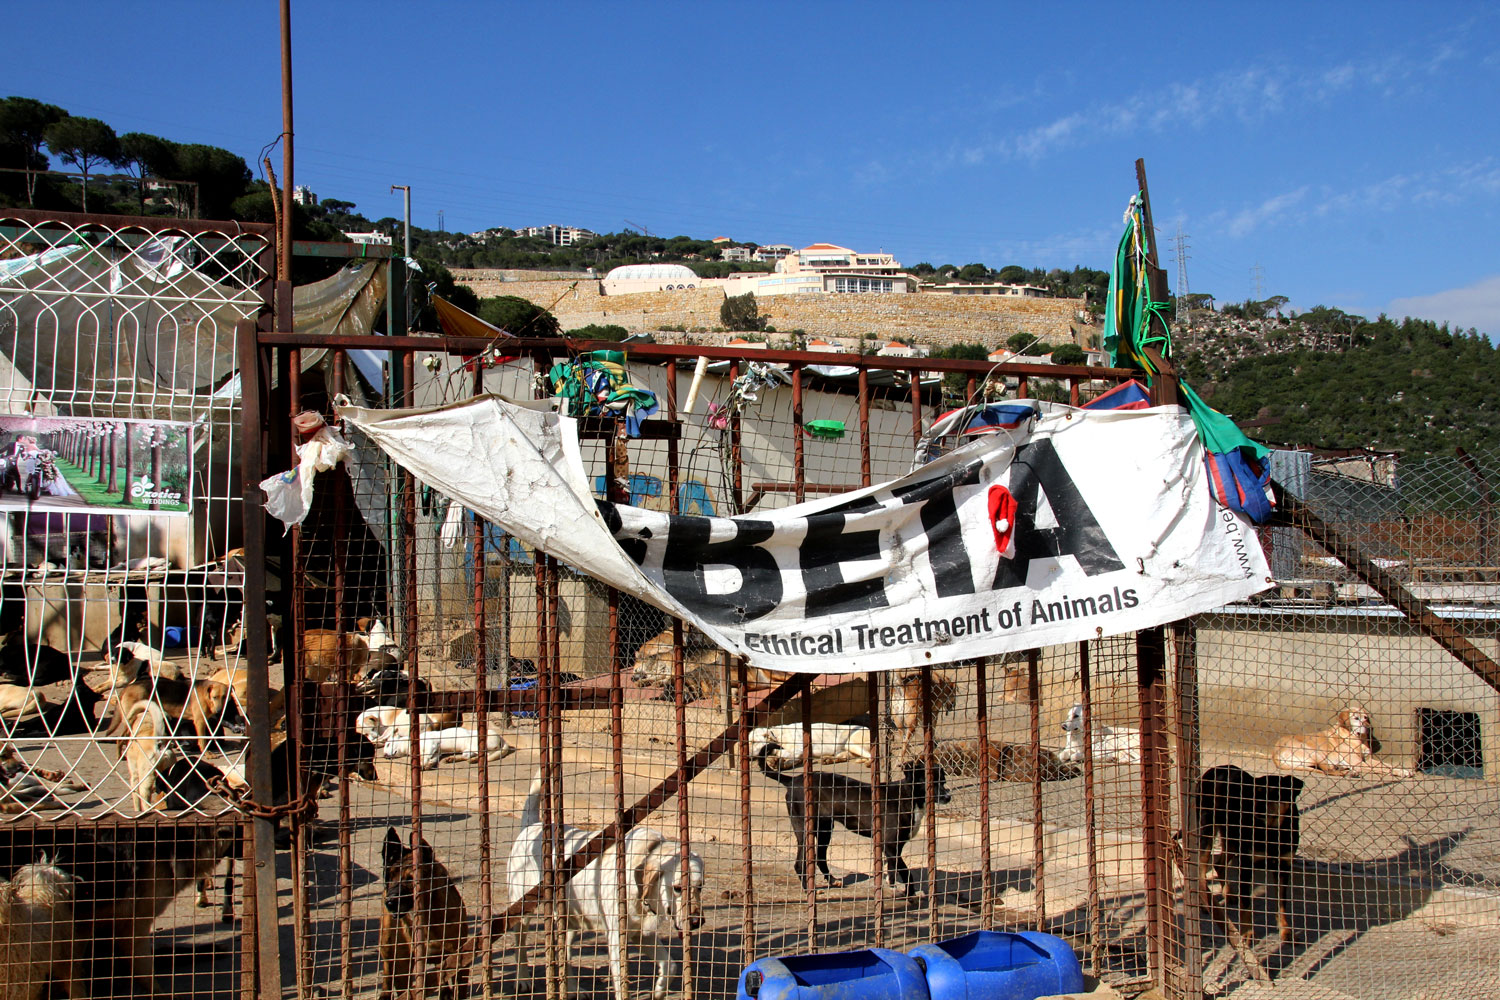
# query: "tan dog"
420 897
906 702
36 934
324 655
1346 747
201 704
19 703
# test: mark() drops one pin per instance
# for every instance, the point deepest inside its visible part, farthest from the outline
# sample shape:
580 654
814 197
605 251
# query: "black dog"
36 666
837 798
1258 827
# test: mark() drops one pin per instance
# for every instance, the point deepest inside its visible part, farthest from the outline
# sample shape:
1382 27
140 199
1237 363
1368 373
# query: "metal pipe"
1038 832
986 867
287 133
809 852
929 753
799 462
1185 646
1091 814
747 832
684 836
342 722
481 724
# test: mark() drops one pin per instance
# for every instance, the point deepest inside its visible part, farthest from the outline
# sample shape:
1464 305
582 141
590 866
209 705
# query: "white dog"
1111 746
380 723
662 897
831 743
467 744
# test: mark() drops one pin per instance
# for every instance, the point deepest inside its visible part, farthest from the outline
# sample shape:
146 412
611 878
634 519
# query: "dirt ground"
1397 891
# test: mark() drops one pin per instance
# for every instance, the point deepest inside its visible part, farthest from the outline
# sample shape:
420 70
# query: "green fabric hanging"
1128 314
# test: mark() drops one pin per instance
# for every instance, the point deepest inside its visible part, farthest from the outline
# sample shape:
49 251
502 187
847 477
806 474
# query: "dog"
1248 827
25 787
663 895
37 934
457 741
205 705
906 702
1110 745
380 723
1347 747
702 668
74 716
995 760
831 743
32 665
420 900
851 802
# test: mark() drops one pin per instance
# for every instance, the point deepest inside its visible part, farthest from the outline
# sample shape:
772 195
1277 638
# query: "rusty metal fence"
121 690
1059 790
418 719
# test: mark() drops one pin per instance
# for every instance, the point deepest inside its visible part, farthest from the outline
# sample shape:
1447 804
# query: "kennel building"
1384 596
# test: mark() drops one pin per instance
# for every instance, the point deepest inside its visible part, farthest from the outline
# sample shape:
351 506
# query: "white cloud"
1476 305
1270 210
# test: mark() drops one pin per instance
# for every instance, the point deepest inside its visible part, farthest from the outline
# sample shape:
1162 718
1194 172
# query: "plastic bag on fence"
289 494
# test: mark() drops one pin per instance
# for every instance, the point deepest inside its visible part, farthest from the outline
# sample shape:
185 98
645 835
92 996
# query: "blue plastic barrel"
1000 965
870 974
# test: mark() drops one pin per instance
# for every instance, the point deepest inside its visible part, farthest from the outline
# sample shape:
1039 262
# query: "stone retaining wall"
935 320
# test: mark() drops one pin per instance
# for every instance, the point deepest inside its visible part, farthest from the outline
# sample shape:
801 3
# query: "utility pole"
440 221
1258 280
1184 311
405 190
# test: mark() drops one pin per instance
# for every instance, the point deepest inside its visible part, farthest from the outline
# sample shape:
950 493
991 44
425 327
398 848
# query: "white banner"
1075 525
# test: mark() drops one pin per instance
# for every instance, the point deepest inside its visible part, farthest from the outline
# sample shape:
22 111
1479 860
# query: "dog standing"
906 703
851 802
421 899
1347 747
663 897
36 933
1257 826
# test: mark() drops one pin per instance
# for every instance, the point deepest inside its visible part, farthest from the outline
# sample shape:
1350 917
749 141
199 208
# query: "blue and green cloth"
1134 322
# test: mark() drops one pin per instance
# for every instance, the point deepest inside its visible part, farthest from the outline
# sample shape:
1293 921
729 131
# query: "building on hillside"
559 236
1023 291
823 267
747 345
373 239
774 252
735 253
631 279
896 349
303 195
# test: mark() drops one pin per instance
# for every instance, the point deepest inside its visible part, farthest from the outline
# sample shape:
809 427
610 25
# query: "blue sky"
1344 153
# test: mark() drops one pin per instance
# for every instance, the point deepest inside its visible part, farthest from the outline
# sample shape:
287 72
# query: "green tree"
973 273
23 129
1013 274
956 384
85 143
518 316
1068 354
741 313
221 177
144 155
595 331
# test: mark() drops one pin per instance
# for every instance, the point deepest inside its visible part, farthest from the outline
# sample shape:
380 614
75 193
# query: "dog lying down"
1346 748
663 892
994 760
466 744
831 743
1110 746
380 723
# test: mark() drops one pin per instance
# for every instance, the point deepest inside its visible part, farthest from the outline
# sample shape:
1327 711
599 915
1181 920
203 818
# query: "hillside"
1328 380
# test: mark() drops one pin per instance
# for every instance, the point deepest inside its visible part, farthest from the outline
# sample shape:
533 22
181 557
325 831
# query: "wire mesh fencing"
122 845
511 708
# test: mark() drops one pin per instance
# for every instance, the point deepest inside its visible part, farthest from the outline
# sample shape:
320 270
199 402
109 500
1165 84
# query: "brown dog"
202 704
421 899
1346 747
906 702
36 934
994 760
